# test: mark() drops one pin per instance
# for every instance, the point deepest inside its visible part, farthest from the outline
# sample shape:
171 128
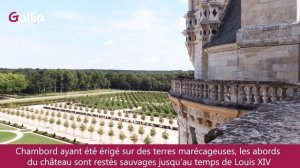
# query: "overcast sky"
95 34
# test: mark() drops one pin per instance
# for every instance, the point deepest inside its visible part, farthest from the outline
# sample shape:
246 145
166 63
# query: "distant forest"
36 81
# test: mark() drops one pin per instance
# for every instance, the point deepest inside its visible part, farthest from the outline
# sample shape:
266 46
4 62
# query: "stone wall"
223 65
265 12
270 63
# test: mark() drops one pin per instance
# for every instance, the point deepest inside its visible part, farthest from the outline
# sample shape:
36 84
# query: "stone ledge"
274 123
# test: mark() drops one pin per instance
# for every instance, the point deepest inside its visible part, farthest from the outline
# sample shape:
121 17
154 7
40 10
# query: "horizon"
132 35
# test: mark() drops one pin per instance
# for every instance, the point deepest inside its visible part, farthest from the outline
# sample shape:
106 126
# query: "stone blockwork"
264 51
274 123
267 12
265 63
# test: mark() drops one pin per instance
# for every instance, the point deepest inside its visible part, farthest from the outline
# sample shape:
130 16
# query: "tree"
147 140
112 113
134 138
40 118
141 131
69 80
33 118
65 116
111 124
72 118
58 123
45 120
165 136
126 114
51 121
100 132
120 125
171 121
122 137
86 120
152 132
12 83
134 116
152 118
111 134
58 114
161 120
143 117
82 129
120 114
66 125
78 118
130 128
94 120
74 127
91 130
102 123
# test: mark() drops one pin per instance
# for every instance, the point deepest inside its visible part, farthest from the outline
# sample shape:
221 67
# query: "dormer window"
214 32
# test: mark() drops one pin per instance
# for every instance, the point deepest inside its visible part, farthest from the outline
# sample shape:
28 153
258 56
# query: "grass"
31 138
6 136
4 127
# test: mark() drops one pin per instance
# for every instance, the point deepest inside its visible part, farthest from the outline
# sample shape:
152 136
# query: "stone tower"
245 24
203 19
245 53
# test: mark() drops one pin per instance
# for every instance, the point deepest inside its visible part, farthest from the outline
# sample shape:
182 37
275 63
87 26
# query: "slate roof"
231 24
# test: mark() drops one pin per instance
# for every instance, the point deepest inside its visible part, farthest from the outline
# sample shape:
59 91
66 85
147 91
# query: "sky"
95 34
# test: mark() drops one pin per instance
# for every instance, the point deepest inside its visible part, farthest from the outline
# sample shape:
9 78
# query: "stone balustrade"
242 93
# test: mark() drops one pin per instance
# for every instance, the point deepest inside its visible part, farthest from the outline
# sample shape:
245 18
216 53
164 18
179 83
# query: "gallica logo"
30 17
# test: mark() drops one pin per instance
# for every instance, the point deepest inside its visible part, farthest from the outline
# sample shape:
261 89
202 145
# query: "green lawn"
30 138
6 136
4 127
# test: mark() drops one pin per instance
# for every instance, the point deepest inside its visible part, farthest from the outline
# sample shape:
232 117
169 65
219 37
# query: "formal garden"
13 135
118 118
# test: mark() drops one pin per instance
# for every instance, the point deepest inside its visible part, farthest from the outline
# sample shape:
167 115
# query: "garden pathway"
19 136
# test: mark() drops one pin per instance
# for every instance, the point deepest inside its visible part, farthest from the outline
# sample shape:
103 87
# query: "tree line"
36 81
